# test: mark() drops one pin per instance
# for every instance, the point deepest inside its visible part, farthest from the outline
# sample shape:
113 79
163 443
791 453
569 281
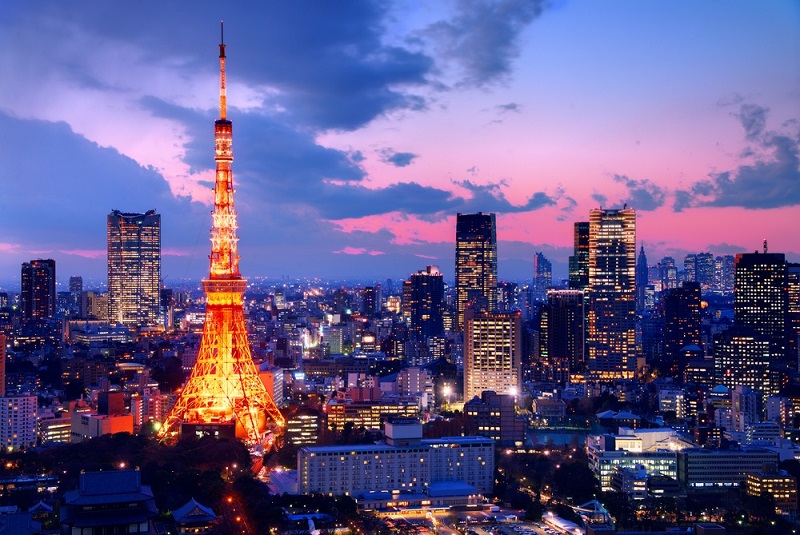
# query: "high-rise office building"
681 324
690 267
724 273
542 277
508 296
642 272
426 303
476 264
742 358
760 297
492 353
369 302
579 261
38 289
612 288
561 333
793 309
668 273
704 270
75 284
134 267
2 364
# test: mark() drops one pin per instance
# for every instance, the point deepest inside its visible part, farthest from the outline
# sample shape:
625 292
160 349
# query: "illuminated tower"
492 353
760 297
38 295
134 267
224 394
612 288
476 264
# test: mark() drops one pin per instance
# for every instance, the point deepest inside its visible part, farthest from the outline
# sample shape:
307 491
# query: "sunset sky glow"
362 128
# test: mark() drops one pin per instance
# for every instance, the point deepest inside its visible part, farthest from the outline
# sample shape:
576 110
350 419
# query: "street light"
446 391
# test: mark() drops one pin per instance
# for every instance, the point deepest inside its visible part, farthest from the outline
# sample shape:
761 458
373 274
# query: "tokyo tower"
224 394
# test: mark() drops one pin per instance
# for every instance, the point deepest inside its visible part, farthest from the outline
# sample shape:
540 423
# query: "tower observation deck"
224 394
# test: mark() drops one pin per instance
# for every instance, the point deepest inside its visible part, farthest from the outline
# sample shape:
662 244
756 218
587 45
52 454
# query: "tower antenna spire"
223 96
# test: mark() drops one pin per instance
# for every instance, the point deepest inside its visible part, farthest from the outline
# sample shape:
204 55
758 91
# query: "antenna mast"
223 97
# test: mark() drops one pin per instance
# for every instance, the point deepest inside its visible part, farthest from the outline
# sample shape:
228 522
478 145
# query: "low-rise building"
776 483
404 465
113 501
701 469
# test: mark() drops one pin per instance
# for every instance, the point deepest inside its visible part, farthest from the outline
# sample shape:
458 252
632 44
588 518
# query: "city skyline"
361 137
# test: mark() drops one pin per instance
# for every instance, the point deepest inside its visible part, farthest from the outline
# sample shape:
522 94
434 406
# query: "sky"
362 128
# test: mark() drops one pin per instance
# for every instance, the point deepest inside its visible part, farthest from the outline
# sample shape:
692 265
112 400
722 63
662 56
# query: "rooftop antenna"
765 246
223 97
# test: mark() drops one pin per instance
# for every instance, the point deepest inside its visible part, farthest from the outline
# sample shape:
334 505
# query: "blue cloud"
397 159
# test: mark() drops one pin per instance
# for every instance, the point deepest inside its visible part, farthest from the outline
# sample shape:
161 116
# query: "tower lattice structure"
224 386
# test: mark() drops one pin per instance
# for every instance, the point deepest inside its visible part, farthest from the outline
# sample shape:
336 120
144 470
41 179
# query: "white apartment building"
406 463
18 421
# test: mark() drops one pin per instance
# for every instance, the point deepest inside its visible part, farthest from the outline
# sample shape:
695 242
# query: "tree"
575 481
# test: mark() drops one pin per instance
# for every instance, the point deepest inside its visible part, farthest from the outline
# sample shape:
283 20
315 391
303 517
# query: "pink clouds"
91 254
358 251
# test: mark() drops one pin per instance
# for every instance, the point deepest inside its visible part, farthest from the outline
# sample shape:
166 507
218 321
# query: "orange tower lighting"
224 390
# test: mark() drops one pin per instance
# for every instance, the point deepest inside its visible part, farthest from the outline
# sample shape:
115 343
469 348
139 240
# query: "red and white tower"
224 393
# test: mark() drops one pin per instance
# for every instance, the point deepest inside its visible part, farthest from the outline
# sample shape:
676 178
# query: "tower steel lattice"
224 387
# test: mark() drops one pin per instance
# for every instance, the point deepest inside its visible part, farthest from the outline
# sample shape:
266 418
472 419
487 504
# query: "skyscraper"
742 358
426 303
668 273
542 277
224 394
642 272
690 267
38 289
561 333
724 273
492 353
134 267
704 270
476 264
612 287
760 297
681 324
579 261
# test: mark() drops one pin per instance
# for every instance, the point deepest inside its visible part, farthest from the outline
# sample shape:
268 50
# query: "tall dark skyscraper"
561 333
38 289
760 298
542 277
579 261
134 267
681 323
426 303
642 271
369 301
612 288
476 264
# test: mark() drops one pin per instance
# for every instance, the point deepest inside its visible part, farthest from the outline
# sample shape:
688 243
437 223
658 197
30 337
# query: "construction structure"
224 395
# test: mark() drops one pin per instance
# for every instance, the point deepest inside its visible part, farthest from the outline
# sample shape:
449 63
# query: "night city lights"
495 267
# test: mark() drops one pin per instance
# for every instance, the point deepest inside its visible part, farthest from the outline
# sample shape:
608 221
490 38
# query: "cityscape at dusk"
364 128
506 267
